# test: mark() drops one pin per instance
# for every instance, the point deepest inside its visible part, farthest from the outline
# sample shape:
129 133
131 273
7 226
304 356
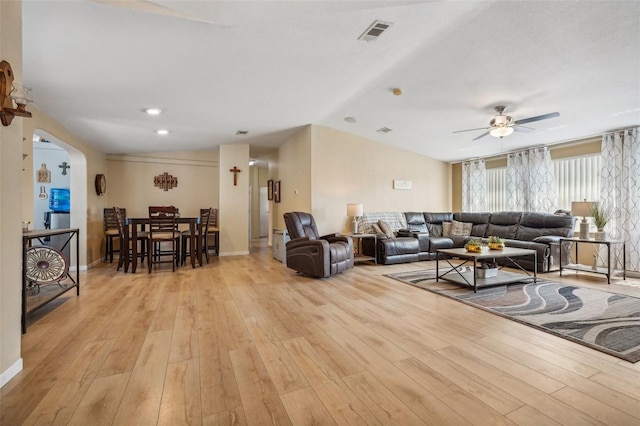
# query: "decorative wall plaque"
43 175
165 181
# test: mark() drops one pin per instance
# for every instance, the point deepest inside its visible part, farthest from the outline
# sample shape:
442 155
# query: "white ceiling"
270 67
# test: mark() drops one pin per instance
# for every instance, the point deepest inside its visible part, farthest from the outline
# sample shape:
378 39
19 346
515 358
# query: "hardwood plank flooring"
246 341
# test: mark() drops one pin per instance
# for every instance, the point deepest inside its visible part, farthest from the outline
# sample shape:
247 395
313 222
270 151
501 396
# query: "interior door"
264 212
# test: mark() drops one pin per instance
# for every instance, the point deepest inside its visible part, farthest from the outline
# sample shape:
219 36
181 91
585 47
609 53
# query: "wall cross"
64 166
235 172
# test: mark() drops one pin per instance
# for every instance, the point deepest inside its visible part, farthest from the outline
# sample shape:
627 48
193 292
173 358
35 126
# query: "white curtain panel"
530 181
474 186
620 192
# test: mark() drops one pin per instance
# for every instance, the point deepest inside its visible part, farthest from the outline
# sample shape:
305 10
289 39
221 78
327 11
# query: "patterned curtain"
474 186
531 181
620 192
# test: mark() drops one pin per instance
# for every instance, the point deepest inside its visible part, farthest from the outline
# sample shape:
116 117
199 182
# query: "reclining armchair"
312 254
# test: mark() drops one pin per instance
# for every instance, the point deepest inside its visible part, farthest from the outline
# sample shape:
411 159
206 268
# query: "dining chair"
201 237
125 250
163 229
214 232
111 231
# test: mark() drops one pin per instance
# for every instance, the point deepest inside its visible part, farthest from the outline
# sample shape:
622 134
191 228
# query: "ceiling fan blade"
481 136
470 130
537 118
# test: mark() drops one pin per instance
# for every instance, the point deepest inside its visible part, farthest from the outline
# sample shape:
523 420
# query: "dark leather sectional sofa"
418 235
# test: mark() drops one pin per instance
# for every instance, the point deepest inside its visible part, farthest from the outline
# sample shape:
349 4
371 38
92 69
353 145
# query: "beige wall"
10 197
349 169
130 181
293 170
323 169
234 200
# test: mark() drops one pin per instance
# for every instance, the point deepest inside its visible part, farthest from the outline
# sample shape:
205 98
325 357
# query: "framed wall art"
276 191
270 189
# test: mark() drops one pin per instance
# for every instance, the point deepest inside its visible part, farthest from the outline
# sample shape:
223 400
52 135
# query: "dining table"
133 223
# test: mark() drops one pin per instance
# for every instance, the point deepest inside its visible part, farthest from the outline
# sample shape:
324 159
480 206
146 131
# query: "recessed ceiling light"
163 131
384 130
252 162
350 120
153 111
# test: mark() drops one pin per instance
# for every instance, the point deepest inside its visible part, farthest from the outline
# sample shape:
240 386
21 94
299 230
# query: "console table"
607 270
49 291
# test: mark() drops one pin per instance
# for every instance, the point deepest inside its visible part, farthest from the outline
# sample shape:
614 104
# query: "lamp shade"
355 210
582 208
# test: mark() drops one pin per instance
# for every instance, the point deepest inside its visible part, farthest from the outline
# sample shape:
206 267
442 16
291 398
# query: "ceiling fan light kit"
501 132
503 125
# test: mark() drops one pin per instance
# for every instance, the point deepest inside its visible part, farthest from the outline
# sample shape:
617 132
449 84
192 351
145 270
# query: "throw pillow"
386 229
461 228
378 231
446 229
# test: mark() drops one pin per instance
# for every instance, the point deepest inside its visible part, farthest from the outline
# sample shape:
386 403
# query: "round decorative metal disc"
45 265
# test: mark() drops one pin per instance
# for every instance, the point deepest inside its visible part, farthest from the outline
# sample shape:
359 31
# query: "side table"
358 256
607 270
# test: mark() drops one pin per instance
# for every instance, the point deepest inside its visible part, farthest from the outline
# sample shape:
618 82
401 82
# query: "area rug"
604 321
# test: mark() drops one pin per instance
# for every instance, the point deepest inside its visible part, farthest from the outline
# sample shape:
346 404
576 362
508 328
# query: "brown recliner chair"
312 254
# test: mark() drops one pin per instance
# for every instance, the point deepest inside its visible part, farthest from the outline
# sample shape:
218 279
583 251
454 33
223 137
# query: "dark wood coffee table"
470 278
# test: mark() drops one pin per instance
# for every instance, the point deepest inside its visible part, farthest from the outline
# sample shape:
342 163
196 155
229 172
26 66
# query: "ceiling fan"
503 125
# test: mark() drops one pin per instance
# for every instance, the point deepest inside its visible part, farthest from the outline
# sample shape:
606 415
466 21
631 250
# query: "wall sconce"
9 92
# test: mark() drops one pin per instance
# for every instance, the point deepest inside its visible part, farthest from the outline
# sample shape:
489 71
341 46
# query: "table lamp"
355 211
582 208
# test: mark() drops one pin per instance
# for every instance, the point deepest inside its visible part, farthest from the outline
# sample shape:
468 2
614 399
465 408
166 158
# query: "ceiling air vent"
242 132
383 130
374 30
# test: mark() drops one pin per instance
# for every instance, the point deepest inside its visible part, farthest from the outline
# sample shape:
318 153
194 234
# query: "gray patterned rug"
604 321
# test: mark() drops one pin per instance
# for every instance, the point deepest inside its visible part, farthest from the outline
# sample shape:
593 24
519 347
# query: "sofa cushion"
416 222
460 228
479 220
533 225
386 229
504 224
400 246
434 222
378 231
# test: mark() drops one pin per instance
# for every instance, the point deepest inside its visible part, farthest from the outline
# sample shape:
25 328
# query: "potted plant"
474 245
601 215
495 243
487 270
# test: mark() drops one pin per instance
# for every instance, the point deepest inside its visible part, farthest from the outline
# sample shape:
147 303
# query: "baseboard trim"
10 372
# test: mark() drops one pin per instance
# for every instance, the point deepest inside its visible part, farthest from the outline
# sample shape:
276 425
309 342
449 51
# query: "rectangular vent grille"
374 30
384 130
242 132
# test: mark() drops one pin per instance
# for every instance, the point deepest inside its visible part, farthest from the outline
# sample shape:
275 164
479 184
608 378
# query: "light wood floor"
244 340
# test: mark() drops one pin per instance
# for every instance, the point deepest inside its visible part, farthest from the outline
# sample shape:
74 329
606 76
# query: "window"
576 179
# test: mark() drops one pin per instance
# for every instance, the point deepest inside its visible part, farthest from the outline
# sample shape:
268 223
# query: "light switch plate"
401 184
